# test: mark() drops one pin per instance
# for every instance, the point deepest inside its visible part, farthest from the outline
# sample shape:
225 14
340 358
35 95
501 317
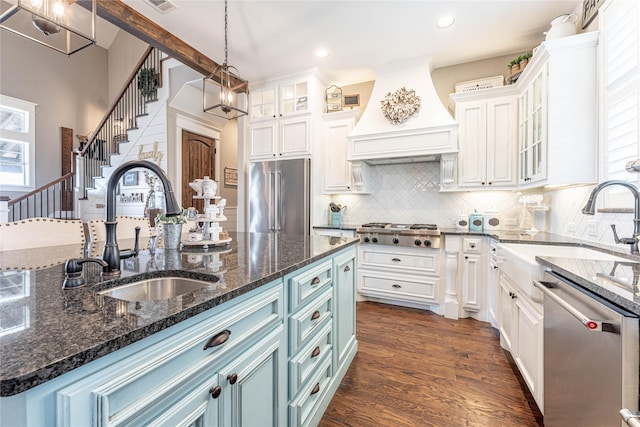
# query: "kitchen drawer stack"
310 340
406 276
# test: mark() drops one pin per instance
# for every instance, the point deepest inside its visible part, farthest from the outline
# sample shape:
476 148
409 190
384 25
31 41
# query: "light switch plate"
592 228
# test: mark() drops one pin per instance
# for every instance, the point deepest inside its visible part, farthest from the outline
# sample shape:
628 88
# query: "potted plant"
148 82
514 66
172 228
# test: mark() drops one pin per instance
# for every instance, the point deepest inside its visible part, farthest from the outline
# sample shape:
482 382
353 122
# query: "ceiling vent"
162 6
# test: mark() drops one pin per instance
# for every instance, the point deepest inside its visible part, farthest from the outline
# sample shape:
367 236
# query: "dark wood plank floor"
416 368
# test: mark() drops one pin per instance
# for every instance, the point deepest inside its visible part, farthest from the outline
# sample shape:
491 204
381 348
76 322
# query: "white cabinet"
285 138
466 277
522 334
402 276
558 113
340 175
487 138
493 286
276 100
281 118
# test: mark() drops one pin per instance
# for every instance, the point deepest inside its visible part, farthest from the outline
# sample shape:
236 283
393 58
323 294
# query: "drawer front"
141 383
306 403
416 261
424 288
306 322
304 363
306 285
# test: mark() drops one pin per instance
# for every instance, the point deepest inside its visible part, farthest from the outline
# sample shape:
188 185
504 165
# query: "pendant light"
218 89
63 25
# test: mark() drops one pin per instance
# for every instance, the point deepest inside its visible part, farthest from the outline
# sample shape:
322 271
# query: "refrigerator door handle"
590 324
278 200
272 198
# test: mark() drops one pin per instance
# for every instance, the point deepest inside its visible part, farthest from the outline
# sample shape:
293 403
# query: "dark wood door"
198 161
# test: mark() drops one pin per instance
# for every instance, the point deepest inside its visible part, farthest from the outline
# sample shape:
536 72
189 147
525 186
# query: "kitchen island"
76 356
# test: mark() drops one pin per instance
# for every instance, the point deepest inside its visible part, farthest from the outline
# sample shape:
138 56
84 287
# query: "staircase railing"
52 200
141 87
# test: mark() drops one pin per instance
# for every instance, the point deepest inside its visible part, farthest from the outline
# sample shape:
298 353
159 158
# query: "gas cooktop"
414 235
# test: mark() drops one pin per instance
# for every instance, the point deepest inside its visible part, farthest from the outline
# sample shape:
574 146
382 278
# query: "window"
620 94
17 144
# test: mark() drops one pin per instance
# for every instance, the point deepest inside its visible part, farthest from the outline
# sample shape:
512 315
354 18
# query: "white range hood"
425 135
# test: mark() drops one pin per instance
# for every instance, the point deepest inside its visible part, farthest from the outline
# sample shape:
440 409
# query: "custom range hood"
424 136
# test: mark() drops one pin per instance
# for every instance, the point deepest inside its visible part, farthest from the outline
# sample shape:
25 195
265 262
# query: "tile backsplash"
409 193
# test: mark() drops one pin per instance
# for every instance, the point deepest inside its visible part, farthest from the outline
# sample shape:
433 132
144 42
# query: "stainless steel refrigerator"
279 196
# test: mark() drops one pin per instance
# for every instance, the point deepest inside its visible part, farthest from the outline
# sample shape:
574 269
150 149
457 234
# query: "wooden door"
198 161
66 143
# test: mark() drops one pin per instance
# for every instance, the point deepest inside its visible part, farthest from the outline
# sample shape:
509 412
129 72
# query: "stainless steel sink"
156 289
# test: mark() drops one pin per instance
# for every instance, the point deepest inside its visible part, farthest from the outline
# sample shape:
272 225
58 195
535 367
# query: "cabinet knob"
218 339
396 259
315 315
495 267
215 391
232 378
395 285
315 281
490 182
315 352
347 268
315 389
482 183
466 257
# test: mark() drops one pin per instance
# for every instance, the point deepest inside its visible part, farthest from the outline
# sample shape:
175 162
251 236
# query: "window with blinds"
620 90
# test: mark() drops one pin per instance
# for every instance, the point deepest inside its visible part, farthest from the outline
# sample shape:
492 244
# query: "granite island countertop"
46 331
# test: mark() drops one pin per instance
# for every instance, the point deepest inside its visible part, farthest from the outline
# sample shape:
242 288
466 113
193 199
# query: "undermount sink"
160 288
518 262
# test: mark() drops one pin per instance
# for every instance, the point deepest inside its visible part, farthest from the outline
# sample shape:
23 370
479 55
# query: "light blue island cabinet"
272 356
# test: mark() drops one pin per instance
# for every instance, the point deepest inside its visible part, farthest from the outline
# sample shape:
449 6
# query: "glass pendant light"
63 25
218 89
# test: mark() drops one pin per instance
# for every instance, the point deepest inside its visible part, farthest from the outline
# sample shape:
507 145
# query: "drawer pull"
315 281
315 315
215 391
395 285
316 352
347 268
232 378
218 339
315 389
396 259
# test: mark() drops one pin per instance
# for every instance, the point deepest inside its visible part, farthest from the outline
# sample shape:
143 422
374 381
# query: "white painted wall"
70 91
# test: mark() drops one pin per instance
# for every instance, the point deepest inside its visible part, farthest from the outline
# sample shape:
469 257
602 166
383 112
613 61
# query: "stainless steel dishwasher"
590 357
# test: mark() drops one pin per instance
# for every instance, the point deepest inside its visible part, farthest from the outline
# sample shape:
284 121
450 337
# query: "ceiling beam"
128 19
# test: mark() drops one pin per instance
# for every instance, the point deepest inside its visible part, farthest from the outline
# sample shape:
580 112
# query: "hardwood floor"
416 368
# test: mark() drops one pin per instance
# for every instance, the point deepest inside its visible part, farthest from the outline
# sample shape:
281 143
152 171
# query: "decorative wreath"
400 105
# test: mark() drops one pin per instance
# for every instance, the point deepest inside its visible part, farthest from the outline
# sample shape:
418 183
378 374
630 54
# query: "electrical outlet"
571 227
592 228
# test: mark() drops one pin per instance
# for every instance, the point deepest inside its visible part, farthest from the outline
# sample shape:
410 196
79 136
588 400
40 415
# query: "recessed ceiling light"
446 21
321 53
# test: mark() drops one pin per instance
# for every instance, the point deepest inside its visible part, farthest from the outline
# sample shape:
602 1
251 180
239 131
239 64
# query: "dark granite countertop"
46 331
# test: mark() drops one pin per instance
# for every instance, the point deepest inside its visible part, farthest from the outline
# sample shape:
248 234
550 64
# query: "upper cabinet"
557 123
340 175
281 118
487 138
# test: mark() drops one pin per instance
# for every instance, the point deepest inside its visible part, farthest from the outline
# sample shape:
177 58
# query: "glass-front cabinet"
263 104
294 98
533 130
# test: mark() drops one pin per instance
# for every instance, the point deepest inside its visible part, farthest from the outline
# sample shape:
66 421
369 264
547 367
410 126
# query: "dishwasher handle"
590 324
630 418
